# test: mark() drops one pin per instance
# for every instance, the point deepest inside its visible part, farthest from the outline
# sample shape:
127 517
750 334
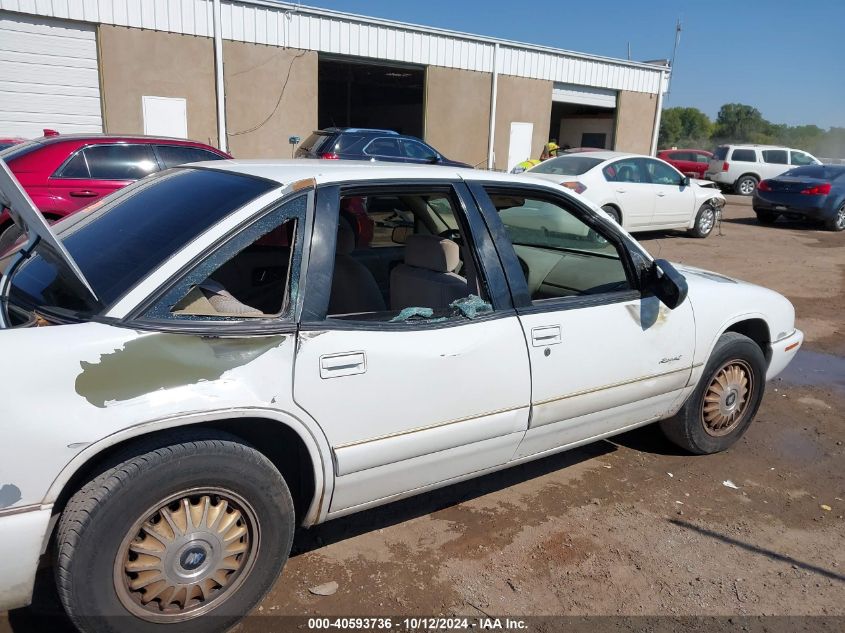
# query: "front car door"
95 171
424 383
674 202
605 355
633 191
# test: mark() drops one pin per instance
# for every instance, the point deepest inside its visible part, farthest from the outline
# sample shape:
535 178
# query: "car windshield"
567 165
131 233
822 172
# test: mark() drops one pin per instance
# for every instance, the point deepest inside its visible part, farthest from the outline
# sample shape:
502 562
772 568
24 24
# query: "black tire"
689 428
613 212
102 523
766 217
836 222
705 221
745 185
9 236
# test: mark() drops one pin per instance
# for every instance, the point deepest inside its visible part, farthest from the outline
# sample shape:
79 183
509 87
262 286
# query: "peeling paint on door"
10 494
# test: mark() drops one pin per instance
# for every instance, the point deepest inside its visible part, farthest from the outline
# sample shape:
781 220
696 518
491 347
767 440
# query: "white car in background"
640 192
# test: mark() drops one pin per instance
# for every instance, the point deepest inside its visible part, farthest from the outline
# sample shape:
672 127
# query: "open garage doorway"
583 117
366 94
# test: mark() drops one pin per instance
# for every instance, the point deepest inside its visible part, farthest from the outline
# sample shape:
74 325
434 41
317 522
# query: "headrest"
432 253
345 238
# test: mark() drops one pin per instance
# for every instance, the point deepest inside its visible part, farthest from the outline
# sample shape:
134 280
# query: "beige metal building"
254 73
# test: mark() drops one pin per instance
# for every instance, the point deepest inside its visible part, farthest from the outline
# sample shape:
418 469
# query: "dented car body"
233 312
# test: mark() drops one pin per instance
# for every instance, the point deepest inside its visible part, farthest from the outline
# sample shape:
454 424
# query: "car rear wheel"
766 217
189 533
613 212
705 221
837 221
725 401
746 185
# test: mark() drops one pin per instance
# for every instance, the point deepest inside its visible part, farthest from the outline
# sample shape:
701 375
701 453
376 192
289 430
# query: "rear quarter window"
721 153
744 155
314 142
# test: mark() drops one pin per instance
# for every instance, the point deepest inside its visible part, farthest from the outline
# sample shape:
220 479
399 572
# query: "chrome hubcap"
727 397
706 221
186 555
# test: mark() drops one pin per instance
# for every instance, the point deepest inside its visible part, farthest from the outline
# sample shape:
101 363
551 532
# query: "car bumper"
797 205
718 176
20 548
783 351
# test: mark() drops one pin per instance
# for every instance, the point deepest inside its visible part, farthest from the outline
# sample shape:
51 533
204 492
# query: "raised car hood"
41 237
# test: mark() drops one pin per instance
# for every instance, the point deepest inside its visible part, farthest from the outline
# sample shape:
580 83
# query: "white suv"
741 167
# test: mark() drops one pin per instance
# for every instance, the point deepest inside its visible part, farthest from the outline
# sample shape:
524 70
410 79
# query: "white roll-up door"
48 76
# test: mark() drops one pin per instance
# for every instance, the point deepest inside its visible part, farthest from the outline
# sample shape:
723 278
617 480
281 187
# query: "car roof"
356 130
604 155
756 146
289 171
115 138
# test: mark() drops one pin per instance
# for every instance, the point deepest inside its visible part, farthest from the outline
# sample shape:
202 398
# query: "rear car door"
95 171
605 355
633 191
775 162
385 148
409 391
674 202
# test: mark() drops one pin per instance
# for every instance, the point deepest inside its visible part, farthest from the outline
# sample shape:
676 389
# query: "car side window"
800 158
702 158
775 156
174 155
744 155
405 257
417 151
247 278
76 167
118 162
625 170
383 147
661 173
559 254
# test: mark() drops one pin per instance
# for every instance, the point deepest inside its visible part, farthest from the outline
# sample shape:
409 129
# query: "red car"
63 173
8 142
690 162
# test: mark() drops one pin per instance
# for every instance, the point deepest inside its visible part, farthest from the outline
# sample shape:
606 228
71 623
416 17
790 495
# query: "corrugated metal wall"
330 32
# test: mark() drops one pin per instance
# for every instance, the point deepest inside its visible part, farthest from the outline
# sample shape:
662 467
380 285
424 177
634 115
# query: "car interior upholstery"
427 277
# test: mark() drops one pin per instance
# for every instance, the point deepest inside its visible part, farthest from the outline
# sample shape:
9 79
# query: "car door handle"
344 364
621 190
660 194
85 193
545 335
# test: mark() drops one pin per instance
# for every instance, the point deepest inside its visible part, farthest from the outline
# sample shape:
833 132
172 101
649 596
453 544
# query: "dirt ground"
629 526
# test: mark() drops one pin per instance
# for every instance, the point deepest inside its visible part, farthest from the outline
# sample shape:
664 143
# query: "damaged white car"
222 352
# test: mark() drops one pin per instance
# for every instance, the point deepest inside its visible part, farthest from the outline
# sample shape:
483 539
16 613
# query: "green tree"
684 126
741 123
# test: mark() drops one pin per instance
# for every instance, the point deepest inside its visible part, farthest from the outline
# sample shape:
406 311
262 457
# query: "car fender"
305 427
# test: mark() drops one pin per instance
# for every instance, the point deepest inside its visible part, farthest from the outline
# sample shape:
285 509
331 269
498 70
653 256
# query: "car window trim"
516 278
379 138
321 264
156 145
134 318
57 173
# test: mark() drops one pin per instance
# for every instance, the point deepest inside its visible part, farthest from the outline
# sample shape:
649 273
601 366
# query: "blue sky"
786 58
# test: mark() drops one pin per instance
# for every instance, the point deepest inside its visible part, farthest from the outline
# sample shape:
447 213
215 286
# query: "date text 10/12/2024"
419 624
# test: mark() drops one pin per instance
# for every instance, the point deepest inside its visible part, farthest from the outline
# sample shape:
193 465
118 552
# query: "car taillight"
726 166
764 186
329 156
576 186
819 190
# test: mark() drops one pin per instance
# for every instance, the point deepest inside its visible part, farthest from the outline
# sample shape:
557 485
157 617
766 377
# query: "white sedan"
640 192
222 352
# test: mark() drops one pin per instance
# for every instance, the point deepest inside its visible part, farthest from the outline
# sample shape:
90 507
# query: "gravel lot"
628 526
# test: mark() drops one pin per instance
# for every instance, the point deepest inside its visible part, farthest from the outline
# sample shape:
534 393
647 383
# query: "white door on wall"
519 146
48 76
165 116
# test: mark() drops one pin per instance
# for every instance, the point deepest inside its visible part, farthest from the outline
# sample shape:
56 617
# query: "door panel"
633 355
422 391
633 191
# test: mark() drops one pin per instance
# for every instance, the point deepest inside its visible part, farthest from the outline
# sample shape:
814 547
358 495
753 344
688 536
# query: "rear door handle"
620 191
84 194
545 335
660 194
344 364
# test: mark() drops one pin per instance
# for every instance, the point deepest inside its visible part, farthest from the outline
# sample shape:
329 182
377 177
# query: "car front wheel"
188 534
613 213
726 399
705 220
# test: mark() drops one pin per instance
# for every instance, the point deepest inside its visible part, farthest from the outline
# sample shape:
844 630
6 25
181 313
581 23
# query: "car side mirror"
433 159
667 283
685 181
401 234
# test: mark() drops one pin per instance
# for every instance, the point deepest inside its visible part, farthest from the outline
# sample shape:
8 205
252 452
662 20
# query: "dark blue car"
357 143
814 192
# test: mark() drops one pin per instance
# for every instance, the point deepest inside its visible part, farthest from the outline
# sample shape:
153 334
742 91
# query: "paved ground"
629 526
